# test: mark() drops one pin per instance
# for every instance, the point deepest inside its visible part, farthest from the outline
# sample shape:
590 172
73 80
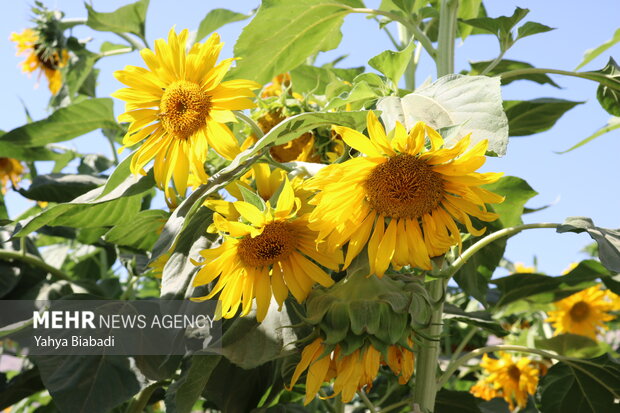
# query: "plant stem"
413 28
494 63
445 41
395 406
471 251
533 71
367 401
470 334
250 122
116 52
426 363
34 261
135 44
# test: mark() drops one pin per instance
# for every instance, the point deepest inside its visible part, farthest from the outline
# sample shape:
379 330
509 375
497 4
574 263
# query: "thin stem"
397 45
133 42
367 401
116 52
74 21
250 122
471 251
445 40
395 406
454 366
533 70
426 363
34 261
114 152
494 63
413 28
470 334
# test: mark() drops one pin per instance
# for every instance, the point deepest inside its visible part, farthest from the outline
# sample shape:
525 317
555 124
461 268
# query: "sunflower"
507 378
39 57
10 170
401 199
179 106
351 372
521 268
583 313
270 253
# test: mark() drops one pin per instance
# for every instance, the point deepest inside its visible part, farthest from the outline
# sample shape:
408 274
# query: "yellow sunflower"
352 372
10 170
521 268
49 62
583 313
271 253
179 106
400 198
508 378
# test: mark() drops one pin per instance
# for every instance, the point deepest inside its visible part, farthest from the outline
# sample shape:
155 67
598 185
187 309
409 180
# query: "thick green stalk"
445 40
34 261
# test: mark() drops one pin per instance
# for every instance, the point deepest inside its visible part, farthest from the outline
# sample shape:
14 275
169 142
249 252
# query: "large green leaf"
612 124
547 288
571 345
593 53
215 19
88 384
473 104
393 64
141 232
607 94
60 187
19 387
527 117
506 65
450 401
284 33
315 79
584 386
64 124
499 26
516 192
127 19
183 392
608 240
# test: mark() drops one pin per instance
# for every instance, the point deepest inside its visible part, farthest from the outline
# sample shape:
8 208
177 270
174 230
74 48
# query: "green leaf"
482 319
450 401
94 164
79 70
499 26
608 95
40 153
506 65
127 19
60 187
64 124
141 232
594 53
612 124
252 197
393 64
571 345
217 18
608 240
548 289
471 103
584 386
315 79
19 387
360 93
108 47
87 384
185 391
468 9
532 28
474 277
284 33
527 117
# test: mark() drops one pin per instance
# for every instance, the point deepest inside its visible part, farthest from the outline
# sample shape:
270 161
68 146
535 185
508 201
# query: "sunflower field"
335 178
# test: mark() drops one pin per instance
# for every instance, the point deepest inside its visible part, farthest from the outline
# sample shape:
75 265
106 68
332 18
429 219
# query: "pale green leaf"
594 53
393 64
126 19
215 19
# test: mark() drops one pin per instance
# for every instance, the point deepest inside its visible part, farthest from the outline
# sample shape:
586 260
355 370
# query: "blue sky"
583 182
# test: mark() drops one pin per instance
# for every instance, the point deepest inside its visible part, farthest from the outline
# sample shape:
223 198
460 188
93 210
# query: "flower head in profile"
511 379
179 107
401 199
10 170
350 372
583 313
39 56
265 253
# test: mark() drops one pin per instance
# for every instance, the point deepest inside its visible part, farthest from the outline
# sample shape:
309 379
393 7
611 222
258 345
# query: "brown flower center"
275 243
404 187
514 372
580 311
184 109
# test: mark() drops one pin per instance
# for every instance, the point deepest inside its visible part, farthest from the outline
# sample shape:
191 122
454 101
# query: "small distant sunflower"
508 378
10 170
271 253
583 313
521 268
401 198
39 57
179 106
351 372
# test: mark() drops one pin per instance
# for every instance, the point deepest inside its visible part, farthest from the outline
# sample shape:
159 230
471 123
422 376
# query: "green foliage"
215 19
449 401
393 64
572 345
612 124
608 240
126 19
315 79
609 95
185 391
588 386
60 187
528 117
594 53
506 65
283 34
